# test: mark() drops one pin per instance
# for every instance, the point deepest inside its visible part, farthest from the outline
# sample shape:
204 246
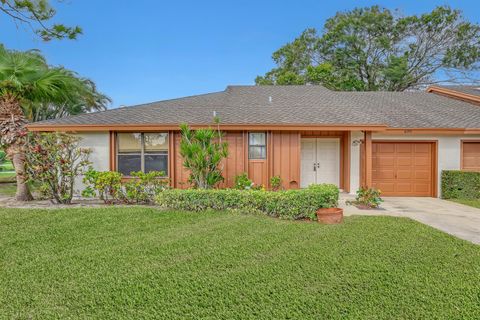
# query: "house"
398 142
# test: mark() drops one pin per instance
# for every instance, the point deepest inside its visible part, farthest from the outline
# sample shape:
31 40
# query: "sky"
155 50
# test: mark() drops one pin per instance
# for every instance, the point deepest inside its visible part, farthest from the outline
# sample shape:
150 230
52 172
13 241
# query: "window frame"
257 145
142 152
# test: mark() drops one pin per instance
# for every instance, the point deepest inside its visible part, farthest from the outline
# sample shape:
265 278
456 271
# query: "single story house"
398 142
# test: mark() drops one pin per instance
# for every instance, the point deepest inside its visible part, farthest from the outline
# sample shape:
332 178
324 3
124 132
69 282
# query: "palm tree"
31 90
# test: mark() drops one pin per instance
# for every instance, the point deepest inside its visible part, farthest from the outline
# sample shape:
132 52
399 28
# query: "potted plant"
367 198
330 215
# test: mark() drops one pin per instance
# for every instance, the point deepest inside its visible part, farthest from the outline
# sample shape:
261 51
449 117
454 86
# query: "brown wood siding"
257 172
180 173
234 164
286 158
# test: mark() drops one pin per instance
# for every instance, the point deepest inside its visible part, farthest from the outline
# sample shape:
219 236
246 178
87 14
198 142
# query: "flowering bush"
111 187
55 160
369 197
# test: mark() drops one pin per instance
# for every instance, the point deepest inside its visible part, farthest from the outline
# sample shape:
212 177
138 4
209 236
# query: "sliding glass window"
142 152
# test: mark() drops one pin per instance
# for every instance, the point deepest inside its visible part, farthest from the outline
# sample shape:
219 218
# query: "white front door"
320 161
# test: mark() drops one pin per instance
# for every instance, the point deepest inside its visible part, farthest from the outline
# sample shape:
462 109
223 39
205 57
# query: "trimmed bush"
460 184
289 204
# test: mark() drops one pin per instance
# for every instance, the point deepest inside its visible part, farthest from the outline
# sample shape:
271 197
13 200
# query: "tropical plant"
203 151
27 82
55 160
373 48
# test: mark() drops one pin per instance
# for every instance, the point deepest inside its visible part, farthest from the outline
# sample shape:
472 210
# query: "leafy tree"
370 49
37 14
203 151
27 82
55 160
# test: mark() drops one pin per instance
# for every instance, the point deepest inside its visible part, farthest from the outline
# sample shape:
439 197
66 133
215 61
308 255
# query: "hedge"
460 184
289 204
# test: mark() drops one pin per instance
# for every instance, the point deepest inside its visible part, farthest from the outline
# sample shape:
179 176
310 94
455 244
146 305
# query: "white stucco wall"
99 142
449 148
356 136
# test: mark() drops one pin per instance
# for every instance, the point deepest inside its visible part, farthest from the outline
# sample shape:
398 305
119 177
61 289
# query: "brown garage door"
404 168
471 156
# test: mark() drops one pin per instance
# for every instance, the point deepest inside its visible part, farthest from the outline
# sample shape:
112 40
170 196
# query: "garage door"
403 168
471 156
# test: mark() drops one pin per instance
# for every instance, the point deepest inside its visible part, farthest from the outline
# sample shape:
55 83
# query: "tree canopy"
37 15
30 89
369 49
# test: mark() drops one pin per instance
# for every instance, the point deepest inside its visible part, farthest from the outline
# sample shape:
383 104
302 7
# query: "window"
257 148
142 152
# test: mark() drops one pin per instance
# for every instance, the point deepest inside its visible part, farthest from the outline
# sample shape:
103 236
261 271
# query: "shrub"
106 184
144 187
369 197
55 160
110 187
460 184
242 182
289 204
276 183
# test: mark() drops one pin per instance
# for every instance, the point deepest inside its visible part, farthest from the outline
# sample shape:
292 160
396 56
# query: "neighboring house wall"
99 142
448 153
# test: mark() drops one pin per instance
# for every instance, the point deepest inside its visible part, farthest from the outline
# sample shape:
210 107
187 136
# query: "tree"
27 81
371 49
56 160
203 151
37 14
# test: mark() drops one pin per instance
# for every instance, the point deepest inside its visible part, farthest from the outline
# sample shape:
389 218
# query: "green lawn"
469 202
131 263
7 176
8 189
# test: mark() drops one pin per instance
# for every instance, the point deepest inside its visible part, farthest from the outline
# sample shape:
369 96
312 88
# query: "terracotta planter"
330 215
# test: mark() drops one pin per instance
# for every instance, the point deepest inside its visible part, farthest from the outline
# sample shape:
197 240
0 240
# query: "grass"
8 189
129 263
469 202
7 176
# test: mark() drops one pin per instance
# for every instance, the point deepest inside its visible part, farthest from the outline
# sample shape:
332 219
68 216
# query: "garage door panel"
384 148
385 187
383 161
403 148
383 174
423 148
403 169
404 174
423 175
404 161
423 161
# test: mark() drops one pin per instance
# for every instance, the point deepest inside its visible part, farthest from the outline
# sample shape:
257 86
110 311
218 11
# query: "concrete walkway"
456 219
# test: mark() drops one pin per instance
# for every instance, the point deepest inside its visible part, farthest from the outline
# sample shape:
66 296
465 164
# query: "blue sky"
155 50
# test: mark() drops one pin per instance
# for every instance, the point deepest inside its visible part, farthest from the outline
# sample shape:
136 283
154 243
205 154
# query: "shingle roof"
309 105
472 90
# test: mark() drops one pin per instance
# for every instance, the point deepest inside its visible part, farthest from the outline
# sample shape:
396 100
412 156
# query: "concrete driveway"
456 219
